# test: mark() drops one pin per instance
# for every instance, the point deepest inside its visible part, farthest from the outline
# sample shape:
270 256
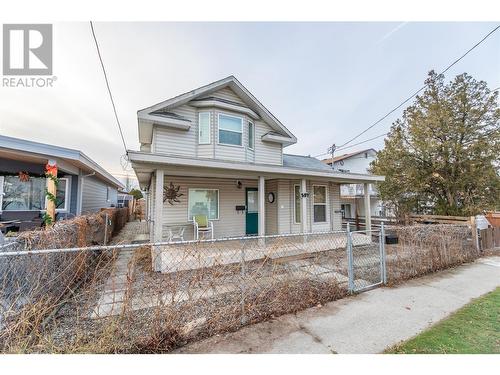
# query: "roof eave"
162 159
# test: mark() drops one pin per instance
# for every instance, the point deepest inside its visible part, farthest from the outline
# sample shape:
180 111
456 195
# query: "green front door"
252 212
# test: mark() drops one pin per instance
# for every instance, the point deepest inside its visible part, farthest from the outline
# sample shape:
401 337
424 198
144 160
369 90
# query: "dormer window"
204 128
230 130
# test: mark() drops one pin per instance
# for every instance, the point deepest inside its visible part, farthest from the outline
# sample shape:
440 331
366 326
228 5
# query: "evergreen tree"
443 155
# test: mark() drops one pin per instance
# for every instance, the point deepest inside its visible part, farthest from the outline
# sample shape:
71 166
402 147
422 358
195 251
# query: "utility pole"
331 151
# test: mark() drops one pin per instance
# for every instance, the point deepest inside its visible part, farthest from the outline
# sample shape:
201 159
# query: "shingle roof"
304 162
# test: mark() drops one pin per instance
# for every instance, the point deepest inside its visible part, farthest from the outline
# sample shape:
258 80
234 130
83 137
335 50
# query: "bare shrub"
423 249
119 302
35 285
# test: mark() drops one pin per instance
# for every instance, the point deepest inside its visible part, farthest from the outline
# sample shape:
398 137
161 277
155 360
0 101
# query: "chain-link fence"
154 297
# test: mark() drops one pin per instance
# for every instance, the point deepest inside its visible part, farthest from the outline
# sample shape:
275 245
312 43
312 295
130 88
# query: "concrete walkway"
367 323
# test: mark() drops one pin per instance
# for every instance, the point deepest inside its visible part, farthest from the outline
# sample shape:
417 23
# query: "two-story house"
218 151
352 200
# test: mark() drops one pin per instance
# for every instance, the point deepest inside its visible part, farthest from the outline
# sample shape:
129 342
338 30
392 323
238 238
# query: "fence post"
475 235
105 228
350 260
242 283
383 265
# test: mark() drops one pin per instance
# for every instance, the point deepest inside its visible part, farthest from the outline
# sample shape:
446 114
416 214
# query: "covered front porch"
241 206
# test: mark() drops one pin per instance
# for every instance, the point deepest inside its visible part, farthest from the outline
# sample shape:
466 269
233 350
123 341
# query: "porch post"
158 214
262 206
303 205
368 218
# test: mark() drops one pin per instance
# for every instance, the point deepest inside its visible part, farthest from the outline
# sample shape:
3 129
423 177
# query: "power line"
420 89
376 137
107 85
360 143
356 144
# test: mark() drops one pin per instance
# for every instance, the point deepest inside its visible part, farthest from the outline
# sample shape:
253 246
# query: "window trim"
209 128
218 203
67 195
294 205
321 204
251 124
218 130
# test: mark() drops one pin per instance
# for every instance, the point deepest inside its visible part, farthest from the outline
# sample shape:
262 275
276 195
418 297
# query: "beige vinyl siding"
335 214
230 223
279 215
94 194
271 209
320 226
266 152
176 141
228 94
179 142
284 207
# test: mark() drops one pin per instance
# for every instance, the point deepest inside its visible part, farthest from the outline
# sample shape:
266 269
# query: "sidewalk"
367 323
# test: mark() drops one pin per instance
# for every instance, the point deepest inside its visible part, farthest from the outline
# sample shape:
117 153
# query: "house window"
203 202
204 128
62 195
297 213
230 130
23 196
319 202
251 135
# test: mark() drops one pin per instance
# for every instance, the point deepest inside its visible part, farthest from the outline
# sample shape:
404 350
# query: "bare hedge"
154 312
423 249
31 286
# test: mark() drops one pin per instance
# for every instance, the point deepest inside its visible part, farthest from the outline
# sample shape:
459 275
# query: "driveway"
366 323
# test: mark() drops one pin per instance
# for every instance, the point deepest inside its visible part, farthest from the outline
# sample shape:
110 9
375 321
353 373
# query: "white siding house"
352 196
219 152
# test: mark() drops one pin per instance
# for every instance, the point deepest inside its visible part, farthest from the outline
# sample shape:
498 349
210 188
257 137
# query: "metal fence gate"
366 259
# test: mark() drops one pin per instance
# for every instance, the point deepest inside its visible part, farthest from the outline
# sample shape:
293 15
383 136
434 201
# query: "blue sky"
325 81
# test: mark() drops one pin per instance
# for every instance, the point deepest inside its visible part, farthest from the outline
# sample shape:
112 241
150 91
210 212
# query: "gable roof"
76 157
150 114
346 156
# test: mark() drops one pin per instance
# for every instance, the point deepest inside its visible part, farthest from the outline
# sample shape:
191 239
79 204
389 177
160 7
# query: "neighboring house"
84 186
352 195
217 151
124 199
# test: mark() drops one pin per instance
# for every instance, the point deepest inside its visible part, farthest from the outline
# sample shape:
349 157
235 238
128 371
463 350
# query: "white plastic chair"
203 225
176 233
